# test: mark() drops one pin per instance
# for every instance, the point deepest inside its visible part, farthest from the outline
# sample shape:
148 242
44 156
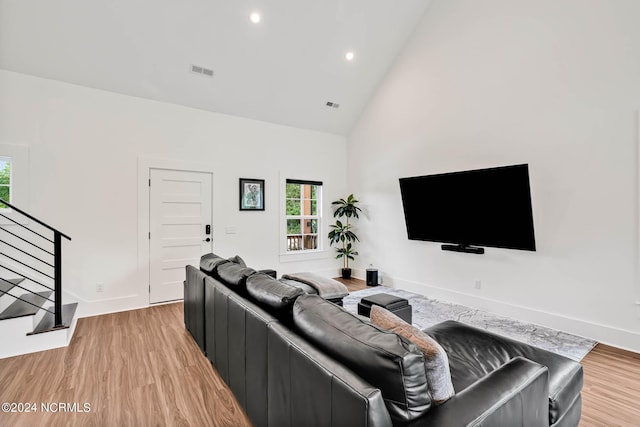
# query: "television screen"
483 207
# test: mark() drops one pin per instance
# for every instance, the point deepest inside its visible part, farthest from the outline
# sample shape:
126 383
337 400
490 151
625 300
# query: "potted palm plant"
341 232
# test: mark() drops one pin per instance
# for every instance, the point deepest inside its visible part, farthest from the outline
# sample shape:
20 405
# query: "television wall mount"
463 248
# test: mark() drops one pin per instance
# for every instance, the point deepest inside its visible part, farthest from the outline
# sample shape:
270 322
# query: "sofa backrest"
383 358
234 275
209 263
275 374
194 304
307 387
236 344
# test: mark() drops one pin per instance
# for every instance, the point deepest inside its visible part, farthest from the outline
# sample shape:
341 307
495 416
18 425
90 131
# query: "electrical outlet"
478 284
99 287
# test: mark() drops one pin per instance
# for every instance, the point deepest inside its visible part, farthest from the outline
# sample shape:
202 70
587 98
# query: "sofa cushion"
435 358
233 274
270 292
209 262
305 288
327 288
384 359
473 353
238 260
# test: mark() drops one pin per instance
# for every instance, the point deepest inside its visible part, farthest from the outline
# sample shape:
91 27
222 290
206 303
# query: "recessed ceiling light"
255 17
349 56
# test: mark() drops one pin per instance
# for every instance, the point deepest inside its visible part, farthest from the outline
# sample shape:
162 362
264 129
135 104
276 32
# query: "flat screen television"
483 207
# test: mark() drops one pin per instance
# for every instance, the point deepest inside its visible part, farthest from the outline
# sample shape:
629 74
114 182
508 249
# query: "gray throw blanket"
327 288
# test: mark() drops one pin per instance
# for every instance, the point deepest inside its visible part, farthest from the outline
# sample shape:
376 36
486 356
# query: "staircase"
32 315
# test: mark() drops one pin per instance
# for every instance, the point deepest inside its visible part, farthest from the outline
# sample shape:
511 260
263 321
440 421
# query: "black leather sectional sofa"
266 342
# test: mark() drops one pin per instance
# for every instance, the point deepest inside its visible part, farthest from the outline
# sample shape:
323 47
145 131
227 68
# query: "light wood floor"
352 284
611 391
136 368
141 368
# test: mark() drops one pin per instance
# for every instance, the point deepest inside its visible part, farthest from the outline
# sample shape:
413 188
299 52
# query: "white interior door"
179 213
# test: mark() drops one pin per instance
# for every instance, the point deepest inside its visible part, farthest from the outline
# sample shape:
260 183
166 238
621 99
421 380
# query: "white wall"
84 150
555 84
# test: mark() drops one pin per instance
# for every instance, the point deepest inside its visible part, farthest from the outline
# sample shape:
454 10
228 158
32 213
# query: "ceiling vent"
202 70
332 104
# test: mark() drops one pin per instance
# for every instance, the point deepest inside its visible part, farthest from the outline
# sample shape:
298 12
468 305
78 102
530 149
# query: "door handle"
208 239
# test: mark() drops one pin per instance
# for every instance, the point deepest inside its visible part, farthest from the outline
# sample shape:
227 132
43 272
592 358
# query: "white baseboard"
89 308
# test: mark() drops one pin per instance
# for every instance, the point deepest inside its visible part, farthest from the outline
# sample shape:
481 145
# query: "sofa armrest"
516 394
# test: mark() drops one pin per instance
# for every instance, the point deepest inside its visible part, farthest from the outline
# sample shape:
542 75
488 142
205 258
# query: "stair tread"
5 287
7 284
48 321
20 308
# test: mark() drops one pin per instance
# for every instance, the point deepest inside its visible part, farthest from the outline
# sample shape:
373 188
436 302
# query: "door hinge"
149 182
149 235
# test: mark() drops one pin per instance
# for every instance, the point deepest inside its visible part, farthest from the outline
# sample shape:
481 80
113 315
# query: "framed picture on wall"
251 194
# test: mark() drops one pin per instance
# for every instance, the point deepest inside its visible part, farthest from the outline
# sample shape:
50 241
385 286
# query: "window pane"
306 191
311 241
5 194
294 243
306 207
293 191
310 226
5 171
302 201
293 207
294 226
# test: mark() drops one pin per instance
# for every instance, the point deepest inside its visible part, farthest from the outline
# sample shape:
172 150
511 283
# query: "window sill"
303 256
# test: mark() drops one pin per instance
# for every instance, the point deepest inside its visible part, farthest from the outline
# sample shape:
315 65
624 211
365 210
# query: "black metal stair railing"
31 237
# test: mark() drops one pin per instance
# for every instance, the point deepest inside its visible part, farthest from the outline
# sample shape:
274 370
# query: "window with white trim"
5 180
303 215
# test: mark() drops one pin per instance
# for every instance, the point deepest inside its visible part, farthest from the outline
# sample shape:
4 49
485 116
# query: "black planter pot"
346 273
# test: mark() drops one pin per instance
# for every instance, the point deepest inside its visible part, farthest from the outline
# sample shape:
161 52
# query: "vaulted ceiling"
283 69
